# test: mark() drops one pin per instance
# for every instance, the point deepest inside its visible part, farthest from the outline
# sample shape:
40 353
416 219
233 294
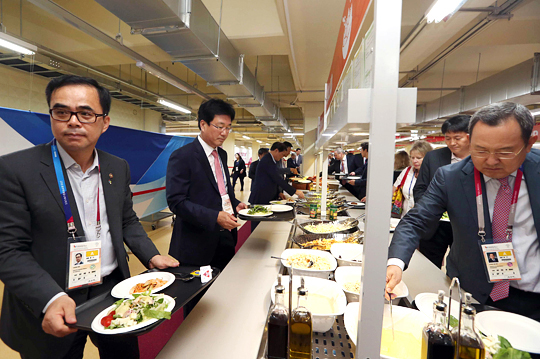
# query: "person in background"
418 151
253 168
502 165
291 162
360 185
239 171
283 169
299 157
401 161
456 136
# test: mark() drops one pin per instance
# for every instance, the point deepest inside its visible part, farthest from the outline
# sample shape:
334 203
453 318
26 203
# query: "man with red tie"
492 199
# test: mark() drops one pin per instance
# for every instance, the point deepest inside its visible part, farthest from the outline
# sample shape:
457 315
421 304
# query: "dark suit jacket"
431 163
252 172
291 163
239 166
193 195
267 182
33 245
354 164
452 190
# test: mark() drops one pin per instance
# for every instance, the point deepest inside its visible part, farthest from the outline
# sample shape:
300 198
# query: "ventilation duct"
186 30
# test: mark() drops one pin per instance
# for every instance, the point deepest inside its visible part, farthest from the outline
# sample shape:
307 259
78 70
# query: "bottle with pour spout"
437 342
301 333
278 325
470 344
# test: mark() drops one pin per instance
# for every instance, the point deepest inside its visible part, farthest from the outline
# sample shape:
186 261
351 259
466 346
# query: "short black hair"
298 149
497 113
287 144
459 123
67 80
263 151
281 147
78 254
209 109
365 146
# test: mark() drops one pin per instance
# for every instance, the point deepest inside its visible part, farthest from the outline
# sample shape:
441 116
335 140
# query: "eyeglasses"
221 129
499 155
85 116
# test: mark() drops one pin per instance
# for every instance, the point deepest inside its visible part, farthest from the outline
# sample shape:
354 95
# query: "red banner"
350 25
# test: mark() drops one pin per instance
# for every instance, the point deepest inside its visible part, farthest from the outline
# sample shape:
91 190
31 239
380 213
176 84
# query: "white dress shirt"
454 159
344 162
208 151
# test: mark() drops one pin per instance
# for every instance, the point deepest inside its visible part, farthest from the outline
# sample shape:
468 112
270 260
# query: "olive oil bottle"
470 344
278 326
437 342
301 333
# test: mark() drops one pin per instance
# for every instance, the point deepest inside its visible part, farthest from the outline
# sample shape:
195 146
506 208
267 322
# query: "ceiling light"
442 10
361 134
404 139
174 106
535 112
159 73
246 137
14 44
259 141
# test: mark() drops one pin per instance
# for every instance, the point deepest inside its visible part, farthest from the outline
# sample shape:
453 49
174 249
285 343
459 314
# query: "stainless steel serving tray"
302 239
351 225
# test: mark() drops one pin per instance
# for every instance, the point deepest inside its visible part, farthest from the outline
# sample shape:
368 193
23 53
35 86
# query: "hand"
351 182
393 277
294 170
352 174
282 196
241 206
227 221
62 309
241 171
300 194
343 182
363 200
162 262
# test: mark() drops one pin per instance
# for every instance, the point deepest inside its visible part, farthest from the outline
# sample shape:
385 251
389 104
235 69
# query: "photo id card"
500 262
84 263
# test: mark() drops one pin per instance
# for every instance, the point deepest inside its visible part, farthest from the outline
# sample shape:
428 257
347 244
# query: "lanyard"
63 193
480 205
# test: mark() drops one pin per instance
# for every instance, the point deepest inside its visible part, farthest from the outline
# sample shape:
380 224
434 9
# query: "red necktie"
501 211
219 174
342 167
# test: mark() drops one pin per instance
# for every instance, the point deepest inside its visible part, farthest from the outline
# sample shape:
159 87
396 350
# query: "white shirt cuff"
52 300
396 262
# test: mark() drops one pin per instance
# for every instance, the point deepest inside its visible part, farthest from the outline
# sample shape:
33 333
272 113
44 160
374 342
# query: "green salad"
445 216
129 312
258 210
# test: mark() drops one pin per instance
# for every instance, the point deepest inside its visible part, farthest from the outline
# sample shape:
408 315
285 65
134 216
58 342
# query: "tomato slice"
106 321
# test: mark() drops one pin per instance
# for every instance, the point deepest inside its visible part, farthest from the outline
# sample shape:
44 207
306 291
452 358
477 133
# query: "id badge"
84 263
226 204
500 262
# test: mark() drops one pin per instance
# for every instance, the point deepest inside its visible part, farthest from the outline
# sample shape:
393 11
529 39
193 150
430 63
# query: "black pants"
235 176
435 248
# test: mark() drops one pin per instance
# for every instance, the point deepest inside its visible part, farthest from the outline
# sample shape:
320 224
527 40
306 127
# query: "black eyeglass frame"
76 113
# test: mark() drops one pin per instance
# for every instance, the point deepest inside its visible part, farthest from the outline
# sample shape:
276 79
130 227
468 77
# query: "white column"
311 120
387 20
228 146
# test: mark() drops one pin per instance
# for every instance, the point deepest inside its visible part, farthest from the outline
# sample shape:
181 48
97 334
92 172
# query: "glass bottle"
300 336
437 342
278 325
470 344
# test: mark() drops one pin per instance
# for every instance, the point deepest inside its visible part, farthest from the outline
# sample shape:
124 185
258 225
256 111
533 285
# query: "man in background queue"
358 187
299 157
283 168
291 162
38 255
495 189
456 136
253 167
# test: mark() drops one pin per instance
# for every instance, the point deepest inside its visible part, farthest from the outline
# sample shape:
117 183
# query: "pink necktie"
219 174
501 211
342 167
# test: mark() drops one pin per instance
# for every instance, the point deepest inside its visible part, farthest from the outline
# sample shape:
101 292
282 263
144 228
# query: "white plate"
393 224
280 208
353 177
304 181
424 303
522 332
98 328
357 204
121 290
245 211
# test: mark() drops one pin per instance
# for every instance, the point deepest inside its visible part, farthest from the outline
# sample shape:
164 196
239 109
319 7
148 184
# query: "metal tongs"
391 315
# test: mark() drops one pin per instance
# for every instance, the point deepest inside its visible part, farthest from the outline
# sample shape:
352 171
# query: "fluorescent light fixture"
174 106
361 134
162 74
404 139
259 141
442 10
14 44
246 137
414 131
341 142
535 112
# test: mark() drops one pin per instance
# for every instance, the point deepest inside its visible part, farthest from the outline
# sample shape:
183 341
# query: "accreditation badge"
226 204
84 263
500 262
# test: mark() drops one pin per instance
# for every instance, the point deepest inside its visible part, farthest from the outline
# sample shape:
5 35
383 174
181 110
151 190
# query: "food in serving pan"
130 312
258 210
324 244
309 261
148 285
326 227
353 286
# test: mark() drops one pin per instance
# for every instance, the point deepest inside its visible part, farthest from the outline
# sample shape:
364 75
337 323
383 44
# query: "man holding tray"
59 201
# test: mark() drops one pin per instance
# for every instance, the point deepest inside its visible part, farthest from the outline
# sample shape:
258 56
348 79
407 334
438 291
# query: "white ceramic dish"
393 224
353 177
280 208
424 303
322 322
307 271
284 201
98 328
357 204
345 252
348 274
121 290
522 332
400 291
304 181
245 211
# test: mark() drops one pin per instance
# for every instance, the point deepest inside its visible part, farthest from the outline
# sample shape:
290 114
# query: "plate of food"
153 282
289 200
256 211
127 315
280 208
445 217
357 204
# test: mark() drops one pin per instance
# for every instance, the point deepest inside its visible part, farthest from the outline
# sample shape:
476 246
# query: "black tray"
181 291
274 217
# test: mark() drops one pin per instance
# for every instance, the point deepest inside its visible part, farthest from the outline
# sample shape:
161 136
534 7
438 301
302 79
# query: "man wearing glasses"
492 201
40 186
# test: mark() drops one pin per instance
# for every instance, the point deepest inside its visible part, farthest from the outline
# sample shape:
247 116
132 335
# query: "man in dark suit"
199 192
501 143
291 161
34 229
253 166
358 187
455 131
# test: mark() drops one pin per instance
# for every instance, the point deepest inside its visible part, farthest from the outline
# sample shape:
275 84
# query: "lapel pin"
110 182
110 175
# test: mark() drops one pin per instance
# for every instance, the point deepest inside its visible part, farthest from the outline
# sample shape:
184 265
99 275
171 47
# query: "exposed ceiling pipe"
291 45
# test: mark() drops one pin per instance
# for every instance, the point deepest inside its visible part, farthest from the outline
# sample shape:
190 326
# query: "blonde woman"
418 152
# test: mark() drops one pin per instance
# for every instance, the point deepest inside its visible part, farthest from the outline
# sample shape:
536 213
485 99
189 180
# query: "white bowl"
325 274
322 322
344 252
348 274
